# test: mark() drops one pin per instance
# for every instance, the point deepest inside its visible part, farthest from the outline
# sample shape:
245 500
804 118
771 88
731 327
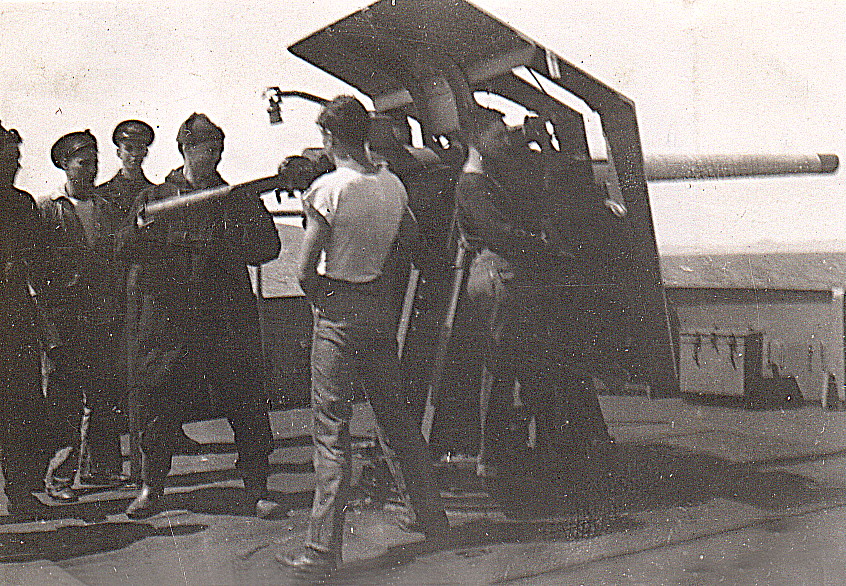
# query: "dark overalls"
84 387
520 291
198 339
25 444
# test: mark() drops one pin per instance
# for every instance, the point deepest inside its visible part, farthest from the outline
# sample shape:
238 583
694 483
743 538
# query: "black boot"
259 502
310 566
147 503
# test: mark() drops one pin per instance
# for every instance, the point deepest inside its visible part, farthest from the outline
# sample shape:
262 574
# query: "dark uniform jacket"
122 192
491 217
194 270
81 273
555 233
22 254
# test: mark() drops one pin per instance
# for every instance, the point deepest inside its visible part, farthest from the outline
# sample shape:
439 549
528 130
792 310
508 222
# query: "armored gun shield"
426 59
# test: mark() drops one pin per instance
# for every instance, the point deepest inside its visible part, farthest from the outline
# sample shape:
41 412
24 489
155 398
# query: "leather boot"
310 566
61 494
147 503
259 503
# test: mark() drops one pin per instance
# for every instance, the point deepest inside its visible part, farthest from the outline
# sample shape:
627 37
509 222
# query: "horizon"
763 247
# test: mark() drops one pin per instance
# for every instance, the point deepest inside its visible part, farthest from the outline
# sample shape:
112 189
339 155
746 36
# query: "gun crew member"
355 216
132 139
198 328
23 411
83 306
513 284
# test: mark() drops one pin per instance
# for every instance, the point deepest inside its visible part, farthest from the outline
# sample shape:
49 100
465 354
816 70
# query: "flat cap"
134 131
198 128
70 144
8 136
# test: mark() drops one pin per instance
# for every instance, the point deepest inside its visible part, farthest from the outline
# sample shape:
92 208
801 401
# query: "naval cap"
134 131
70 144
196 129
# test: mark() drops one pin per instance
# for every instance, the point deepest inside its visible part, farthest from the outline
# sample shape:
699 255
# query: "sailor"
519 272
132 139
23 411
82 227
355 217
199 340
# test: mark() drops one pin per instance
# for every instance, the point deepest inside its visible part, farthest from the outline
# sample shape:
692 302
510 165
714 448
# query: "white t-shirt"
364 212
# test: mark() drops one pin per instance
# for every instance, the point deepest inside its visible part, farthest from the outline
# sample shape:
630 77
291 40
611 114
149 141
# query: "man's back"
364 211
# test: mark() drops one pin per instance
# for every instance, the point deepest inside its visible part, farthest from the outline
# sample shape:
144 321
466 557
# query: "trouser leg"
65 416
26 449
381 373
253 440
331 399
158 439
164 401
579 341
582 405
100 451
499 373
84 452
496 402
24 425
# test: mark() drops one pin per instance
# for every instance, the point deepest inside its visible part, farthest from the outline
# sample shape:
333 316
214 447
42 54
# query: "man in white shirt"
358 221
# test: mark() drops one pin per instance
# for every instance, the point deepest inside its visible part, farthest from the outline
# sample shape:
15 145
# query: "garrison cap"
70 144
134 131
9 136
196 129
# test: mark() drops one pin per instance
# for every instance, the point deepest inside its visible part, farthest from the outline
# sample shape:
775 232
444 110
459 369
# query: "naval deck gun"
427 60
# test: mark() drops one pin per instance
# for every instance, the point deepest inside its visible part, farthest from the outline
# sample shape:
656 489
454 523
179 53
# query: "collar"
119 176
61 193
177 177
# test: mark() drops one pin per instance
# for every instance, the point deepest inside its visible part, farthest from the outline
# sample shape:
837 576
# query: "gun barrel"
171 205
680 167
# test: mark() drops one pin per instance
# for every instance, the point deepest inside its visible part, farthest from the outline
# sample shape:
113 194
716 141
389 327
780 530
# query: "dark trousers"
100 451
354 345
24 441
524 312
212 367
83 391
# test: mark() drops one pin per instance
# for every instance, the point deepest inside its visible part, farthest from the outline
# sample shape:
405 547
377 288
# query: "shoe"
270 510
62 495
146 504
310 565
437 535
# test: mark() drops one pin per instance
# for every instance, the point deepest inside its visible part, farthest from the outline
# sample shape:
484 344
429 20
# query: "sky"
706 76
